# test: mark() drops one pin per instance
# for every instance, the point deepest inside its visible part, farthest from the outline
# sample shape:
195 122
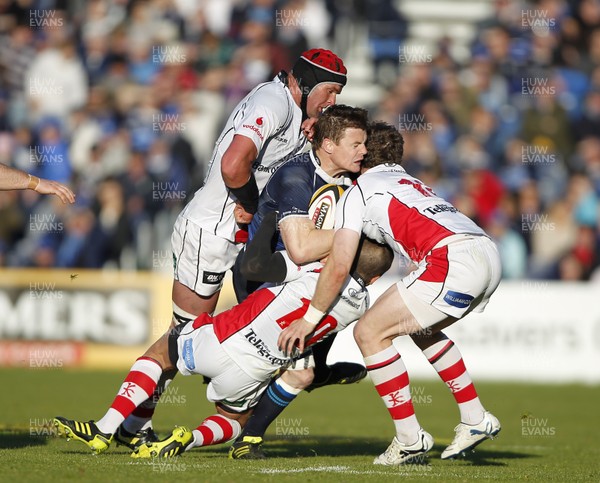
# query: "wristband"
313 316
34 182
247 195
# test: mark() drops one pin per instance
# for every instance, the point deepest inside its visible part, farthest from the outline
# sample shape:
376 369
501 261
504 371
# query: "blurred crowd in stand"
123 100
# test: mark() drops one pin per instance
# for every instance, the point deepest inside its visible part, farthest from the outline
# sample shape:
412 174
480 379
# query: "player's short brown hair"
385 145
372 259
335 120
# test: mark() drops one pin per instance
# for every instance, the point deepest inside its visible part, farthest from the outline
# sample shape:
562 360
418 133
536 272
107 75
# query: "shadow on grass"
308 447
13 438
339 447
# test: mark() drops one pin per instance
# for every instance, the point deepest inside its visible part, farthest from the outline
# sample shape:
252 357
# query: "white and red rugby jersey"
249 331
390 206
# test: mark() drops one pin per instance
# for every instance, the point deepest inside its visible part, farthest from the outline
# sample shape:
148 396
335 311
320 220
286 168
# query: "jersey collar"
386 167
340 180
296 108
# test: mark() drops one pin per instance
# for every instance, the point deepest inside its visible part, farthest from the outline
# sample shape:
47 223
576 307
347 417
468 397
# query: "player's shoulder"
272 97
379 176
295 170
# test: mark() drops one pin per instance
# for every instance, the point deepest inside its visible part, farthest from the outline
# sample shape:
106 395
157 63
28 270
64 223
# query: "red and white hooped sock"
215 429
390 377
141 417
136 388
447 360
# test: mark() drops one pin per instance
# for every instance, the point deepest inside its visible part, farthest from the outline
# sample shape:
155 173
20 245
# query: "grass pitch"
550 433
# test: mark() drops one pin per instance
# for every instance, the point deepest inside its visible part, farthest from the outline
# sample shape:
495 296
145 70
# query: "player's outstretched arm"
331 280
15 179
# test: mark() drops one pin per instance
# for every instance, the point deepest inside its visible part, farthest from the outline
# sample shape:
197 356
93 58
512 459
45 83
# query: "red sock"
141 417
215 429
390 377
136 388
447 360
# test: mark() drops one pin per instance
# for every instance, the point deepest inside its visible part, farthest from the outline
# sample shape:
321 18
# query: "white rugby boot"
399 453
470 435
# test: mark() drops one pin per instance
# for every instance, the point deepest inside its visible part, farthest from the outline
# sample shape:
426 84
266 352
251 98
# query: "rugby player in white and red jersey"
458 269
268 126
237 349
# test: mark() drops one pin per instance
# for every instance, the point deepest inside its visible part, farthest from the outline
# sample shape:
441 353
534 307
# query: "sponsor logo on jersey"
264 169
255 129
457 299
357 294
212 278
262 349
350 302
259 121
188 354
441 208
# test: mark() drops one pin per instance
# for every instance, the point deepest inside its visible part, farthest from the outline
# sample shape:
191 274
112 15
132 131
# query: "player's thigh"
200 259
386 319
187 304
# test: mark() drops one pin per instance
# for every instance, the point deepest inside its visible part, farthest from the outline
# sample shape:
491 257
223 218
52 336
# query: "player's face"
348 154
322 97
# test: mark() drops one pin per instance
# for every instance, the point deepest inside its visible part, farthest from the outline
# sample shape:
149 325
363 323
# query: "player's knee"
299 379
159 351
363 334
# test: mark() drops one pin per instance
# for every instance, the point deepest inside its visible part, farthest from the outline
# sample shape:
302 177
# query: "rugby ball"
321 208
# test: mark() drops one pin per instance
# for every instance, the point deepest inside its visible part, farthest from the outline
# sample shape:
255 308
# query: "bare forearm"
337 269
329 285
303 242
13 179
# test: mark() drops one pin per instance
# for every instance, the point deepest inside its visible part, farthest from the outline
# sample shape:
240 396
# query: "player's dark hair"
372 259
335 120
385 145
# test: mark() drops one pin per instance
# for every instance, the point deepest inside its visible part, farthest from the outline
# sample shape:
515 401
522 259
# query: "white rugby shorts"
456 277
201 259
199 352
